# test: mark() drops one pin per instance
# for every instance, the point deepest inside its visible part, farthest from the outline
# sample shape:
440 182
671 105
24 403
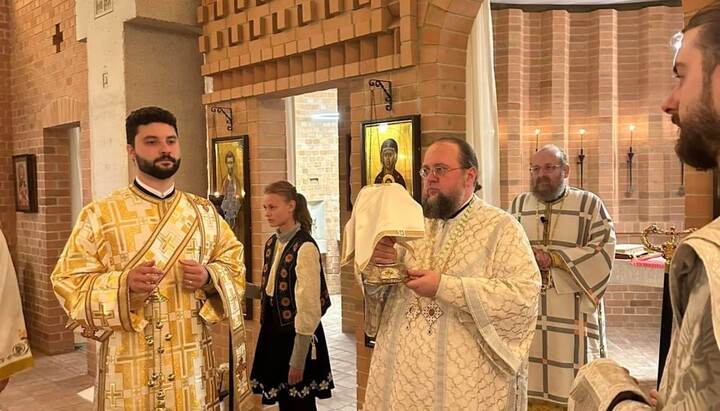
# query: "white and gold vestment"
155 349
15 355
465 349
691 379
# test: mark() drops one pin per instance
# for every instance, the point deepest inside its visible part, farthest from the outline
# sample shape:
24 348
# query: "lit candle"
632 131
537 136
582 133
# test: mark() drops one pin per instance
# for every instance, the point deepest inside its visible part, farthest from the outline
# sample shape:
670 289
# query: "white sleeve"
307 290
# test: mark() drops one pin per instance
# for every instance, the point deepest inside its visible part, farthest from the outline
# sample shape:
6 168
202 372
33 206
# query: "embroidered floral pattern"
285 301
289 258
312 386
283 286
283 273
287 314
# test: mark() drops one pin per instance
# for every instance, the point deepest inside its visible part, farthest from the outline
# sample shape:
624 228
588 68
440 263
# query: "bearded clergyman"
456 335
145 272
573 240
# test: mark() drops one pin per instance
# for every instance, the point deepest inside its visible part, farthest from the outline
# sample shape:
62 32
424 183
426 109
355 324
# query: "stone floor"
55 381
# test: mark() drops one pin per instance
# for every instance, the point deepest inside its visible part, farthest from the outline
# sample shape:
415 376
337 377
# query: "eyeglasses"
546 168
438 171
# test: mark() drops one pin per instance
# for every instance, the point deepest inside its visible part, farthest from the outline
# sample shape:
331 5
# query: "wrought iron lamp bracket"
386 87
227 112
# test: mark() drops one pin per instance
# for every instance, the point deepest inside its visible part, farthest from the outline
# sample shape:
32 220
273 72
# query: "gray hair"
558 151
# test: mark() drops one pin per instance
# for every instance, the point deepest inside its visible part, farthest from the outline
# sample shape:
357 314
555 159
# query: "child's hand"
294 376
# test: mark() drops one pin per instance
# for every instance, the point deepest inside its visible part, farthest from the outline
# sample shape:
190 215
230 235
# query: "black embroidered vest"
283 303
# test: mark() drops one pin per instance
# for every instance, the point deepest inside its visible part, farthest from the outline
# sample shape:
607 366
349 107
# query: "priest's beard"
699 142
442 205
152 170
548 190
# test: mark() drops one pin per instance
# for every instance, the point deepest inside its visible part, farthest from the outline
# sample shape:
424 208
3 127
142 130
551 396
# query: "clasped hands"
424 283
543 258
145 278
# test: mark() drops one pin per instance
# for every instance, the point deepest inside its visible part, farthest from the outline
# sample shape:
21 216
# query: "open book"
629 251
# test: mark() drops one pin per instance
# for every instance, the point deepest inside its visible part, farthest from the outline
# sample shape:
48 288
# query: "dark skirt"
269 376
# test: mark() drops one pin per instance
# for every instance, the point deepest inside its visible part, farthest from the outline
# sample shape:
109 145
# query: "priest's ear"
471 176
565 171
131 152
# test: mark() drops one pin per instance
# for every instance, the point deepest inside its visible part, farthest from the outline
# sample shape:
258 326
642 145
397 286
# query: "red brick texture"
600 71
633 306
48 94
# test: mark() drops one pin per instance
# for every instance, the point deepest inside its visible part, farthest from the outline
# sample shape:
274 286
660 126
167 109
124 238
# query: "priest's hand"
144 278
385 252
653 397
195 275
294 375
425 283
4 383
543 258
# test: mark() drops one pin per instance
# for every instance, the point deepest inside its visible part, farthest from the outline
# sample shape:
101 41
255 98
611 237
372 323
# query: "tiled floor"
52 384
55 381
636 349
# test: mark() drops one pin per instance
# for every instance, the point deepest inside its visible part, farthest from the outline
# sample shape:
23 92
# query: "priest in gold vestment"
145 271
456 335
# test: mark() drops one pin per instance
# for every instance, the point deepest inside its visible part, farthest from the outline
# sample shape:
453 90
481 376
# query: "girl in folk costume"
291 363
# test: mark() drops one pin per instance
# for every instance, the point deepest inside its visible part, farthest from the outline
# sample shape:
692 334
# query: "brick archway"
61 112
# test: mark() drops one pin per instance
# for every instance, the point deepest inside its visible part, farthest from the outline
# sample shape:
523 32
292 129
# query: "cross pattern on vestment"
103 315
113 395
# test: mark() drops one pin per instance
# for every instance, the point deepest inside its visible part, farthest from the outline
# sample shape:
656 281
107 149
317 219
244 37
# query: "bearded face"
698 143
548 185
437 204
161 168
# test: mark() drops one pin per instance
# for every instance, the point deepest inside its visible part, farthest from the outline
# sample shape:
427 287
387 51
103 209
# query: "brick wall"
351 297
316 166
601 71
633 306
7 195
49 95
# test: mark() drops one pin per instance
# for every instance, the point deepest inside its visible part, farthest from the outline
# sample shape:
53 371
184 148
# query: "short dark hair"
707 19
467 157
144 116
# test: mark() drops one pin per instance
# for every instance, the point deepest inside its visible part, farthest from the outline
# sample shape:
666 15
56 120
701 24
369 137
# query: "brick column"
603 96
351 300
513 99
556 51
662 165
